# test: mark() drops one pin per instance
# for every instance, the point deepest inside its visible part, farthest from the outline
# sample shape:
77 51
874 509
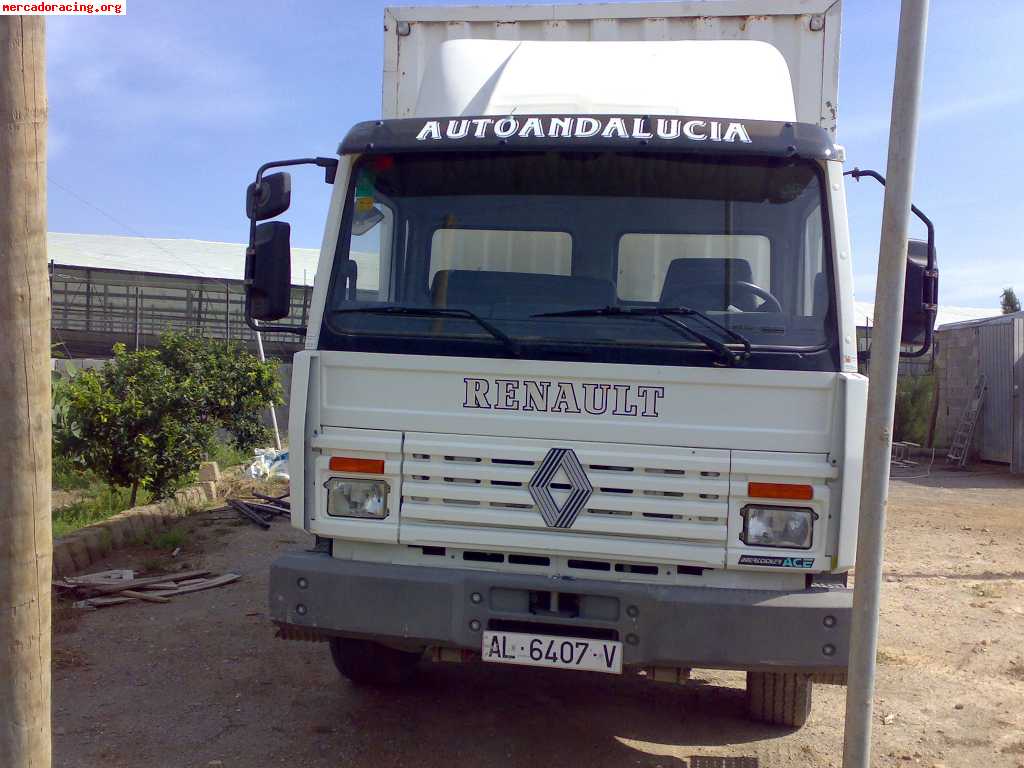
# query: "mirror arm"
298 330
329 164
856 174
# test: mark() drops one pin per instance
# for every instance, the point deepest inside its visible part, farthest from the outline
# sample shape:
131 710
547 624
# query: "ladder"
964 435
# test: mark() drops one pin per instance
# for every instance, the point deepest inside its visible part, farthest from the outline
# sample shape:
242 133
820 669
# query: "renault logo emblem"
560 488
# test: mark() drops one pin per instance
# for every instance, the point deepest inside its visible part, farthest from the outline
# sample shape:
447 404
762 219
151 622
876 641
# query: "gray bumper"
660 625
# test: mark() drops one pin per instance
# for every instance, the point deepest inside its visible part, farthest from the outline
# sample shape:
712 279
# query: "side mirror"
268 272
920 298
270 198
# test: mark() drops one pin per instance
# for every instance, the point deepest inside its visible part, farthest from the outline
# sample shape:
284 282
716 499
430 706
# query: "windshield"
521 241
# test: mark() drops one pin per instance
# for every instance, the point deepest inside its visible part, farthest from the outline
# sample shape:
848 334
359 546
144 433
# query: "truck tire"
367 663
779 698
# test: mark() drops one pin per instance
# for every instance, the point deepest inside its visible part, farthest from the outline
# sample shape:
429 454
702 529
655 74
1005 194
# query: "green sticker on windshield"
365 188
364 191
365 184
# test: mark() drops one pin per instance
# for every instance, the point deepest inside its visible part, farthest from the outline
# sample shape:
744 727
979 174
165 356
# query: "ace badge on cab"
549 651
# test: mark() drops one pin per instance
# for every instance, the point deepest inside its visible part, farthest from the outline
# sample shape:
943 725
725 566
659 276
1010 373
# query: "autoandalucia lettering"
667 128
562 397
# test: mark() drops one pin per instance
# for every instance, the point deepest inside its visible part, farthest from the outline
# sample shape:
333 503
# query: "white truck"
580 383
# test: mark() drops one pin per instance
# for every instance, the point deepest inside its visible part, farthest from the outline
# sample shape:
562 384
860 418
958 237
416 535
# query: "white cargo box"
806 32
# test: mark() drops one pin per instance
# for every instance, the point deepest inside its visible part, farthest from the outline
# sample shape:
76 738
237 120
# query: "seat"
704 284
465 287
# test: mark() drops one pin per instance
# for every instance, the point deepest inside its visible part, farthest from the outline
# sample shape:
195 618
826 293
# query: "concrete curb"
80 549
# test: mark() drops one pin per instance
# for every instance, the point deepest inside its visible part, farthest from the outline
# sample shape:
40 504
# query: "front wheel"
367 663
779 698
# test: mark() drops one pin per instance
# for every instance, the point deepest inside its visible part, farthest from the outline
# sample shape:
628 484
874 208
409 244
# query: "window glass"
500 250
369 254
815 293
644 259
523 253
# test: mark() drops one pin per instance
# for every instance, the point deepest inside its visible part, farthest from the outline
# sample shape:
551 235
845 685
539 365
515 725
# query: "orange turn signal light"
780 491
364 466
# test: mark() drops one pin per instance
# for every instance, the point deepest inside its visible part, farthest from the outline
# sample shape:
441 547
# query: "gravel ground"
203 682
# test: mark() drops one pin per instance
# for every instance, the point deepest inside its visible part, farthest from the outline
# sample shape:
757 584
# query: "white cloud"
136 77
973 105
878 125
974 284
980 282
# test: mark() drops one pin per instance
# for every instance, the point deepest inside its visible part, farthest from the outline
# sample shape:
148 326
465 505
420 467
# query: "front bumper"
659 625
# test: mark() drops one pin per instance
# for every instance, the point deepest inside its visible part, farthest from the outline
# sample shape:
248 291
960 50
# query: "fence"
909 366
95 308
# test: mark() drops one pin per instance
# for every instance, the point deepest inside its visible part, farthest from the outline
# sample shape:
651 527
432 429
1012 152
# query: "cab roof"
623 132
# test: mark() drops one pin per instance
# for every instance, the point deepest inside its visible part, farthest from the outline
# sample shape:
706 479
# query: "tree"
1009 302
236 386
914 396
149 417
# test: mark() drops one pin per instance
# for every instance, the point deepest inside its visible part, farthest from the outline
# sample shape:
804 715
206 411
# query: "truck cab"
580 382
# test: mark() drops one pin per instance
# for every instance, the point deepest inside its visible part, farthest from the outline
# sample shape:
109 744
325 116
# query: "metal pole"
26 540
273 412
883 369
137 319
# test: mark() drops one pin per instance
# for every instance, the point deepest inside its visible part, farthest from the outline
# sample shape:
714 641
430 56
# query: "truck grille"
647 502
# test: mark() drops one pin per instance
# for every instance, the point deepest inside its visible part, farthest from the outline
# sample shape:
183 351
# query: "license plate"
548 651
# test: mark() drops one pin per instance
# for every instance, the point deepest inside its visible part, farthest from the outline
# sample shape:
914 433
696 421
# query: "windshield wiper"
671 316
510 344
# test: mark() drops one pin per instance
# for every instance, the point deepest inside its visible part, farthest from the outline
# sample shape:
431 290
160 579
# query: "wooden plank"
102 602
188 583
161 585
218 581
103 577
147 596
135 583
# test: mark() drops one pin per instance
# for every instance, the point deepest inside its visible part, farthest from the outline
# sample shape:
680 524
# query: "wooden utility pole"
26 544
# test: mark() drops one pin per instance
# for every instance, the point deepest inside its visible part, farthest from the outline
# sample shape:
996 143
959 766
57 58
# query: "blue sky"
158 120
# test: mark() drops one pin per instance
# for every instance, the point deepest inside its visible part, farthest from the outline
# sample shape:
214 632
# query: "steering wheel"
771 304
737 288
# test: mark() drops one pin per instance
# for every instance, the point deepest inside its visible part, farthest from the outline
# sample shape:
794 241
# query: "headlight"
357 498
781 527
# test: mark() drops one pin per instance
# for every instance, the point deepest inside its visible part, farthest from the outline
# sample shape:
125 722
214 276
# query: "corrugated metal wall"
993 347
1017 402
996 346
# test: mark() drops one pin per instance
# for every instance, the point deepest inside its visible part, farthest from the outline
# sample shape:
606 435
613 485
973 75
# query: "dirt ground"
203 682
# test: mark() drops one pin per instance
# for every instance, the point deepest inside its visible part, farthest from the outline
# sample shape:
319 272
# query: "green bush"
100 502
228 455
913 408
147 418
67 476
